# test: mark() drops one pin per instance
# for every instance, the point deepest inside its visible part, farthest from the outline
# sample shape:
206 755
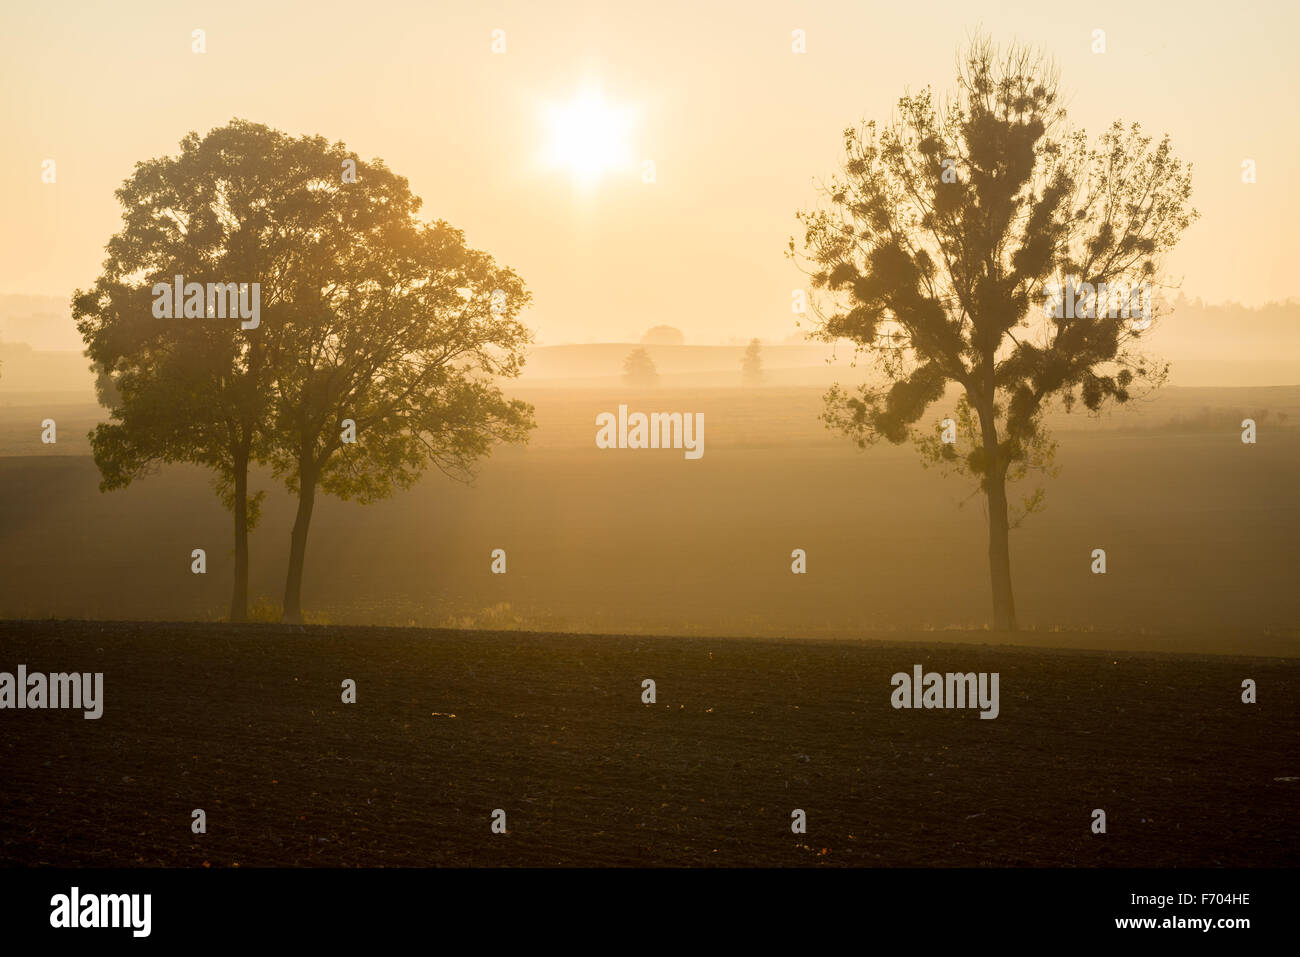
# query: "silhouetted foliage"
934 251
368 314
190 390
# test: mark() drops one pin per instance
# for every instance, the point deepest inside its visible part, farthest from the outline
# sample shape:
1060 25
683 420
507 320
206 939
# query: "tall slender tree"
961 246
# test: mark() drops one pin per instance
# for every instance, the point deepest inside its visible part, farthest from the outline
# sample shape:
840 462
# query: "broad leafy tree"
191 389
396 363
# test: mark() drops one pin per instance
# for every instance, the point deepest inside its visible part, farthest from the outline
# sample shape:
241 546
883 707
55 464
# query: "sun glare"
587 136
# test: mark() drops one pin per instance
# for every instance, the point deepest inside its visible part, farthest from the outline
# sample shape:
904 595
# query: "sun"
587 136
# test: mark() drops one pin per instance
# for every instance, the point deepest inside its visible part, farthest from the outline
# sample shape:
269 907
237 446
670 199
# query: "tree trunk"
1004 603
298 549
239 598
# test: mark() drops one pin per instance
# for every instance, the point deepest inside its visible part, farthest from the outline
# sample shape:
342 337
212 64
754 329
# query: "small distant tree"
751 364
639 370
663 336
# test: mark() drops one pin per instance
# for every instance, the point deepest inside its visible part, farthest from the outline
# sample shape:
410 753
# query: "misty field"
1202 532
247 724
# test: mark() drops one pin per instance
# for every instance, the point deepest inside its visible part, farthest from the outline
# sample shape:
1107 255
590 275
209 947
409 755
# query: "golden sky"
737 125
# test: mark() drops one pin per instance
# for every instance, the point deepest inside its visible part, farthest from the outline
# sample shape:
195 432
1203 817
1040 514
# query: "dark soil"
247 723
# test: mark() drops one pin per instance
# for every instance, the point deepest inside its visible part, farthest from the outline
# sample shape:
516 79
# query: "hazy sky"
737 125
